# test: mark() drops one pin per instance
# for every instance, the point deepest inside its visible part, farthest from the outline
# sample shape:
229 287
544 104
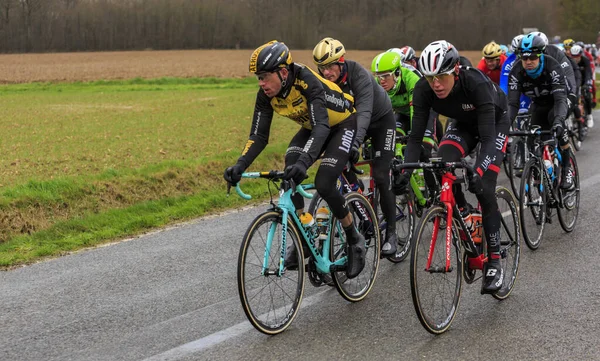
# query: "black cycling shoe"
493 275
356 251
391 244
568 181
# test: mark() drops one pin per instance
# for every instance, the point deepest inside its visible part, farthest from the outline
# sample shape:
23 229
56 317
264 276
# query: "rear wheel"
435 290
510 245
532 203
269 299
567 214
364 219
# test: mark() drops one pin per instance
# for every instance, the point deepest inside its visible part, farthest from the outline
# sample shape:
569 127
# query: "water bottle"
309 224
322 218
476 226
549 166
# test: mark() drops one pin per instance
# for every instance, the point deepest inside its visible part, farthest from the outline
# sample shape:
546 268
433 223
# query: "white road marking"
221 336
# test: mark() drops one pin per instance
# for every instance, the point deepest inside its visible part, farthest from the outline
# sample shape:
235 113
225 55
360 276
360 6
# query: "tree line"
110 25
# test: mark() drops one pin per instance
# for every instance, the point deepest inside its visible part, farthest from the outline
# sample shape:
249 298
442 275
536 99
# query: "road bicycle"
271 293
445 252
540 187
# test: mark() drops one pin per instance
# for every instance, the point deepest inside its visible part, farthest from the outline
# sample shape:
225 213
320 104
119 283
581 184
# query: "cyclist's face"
530 63
492 63
442 84
331 72
386 80
270 82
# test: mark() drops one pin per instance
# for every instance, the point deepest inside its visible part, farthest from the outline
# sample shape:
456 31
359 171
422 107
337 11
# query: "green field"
86 163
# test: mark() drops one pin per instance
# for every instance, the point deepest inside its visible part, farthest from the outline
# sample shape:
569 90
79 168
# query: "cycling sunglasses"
529 56
385 76
439 77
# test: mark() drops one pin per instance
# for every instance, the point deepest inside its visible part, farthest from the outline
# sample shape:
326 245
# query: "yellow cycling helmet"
328 51
568 43
492 50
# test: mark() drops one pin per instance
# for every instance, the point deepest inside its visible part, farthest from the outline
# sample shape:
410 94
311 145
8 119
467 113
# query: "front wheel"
405 225
569 210
532 203
270 300
435 290
510 240
364 219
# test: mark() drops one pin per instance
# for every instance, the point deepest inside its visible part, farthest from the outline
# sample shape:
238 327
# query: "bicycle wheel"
270 302
516 163
532 204
405 224
364 219
510 241
567 214
435 291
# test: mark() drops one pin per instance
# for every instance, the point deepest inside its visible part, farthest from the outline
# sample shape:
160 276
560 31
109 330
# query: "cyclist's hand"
400 182
233 174
295 172
557 128
476 184
354 154
571 100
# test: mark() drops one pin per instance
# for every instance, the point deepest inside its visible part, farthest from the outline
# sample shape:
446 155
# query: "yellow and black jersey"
306 98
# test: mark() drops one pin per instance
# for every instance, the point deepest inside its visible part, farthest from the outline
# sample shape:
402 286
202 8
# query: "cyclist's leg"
381 133
334 159
433 134
563 142
295 149
491 217
456 144
291 156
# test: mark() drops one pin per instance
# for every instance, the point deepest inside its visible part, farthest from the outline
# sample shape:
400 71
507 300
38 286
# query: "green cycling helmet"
387 62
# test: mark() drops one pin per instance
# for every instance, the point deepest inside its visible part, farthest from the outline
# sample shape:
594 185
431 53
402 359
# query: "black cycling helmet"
532 43
270 57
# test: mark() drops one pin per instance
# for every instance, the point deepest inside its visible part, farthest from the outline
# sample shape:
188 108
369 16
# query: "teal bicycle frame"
287 210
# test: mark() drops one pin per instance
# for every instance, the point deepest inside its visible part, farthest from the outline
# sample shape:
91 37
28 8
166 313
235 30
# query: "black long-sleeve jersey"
475 103
565 64
308 99
585 68
549 88
370 100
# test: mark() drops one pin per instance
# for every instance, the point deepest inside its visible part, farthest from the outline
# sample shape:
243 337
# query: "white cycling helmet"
514 44
541 35
397 51
438 57
576 50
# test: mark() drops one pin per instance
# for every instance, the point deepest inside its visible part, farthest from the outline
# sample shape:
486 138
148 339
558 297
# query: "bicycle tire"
533 213
510 241
405 225
569 209
266 316
516 164
435 321
357 288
